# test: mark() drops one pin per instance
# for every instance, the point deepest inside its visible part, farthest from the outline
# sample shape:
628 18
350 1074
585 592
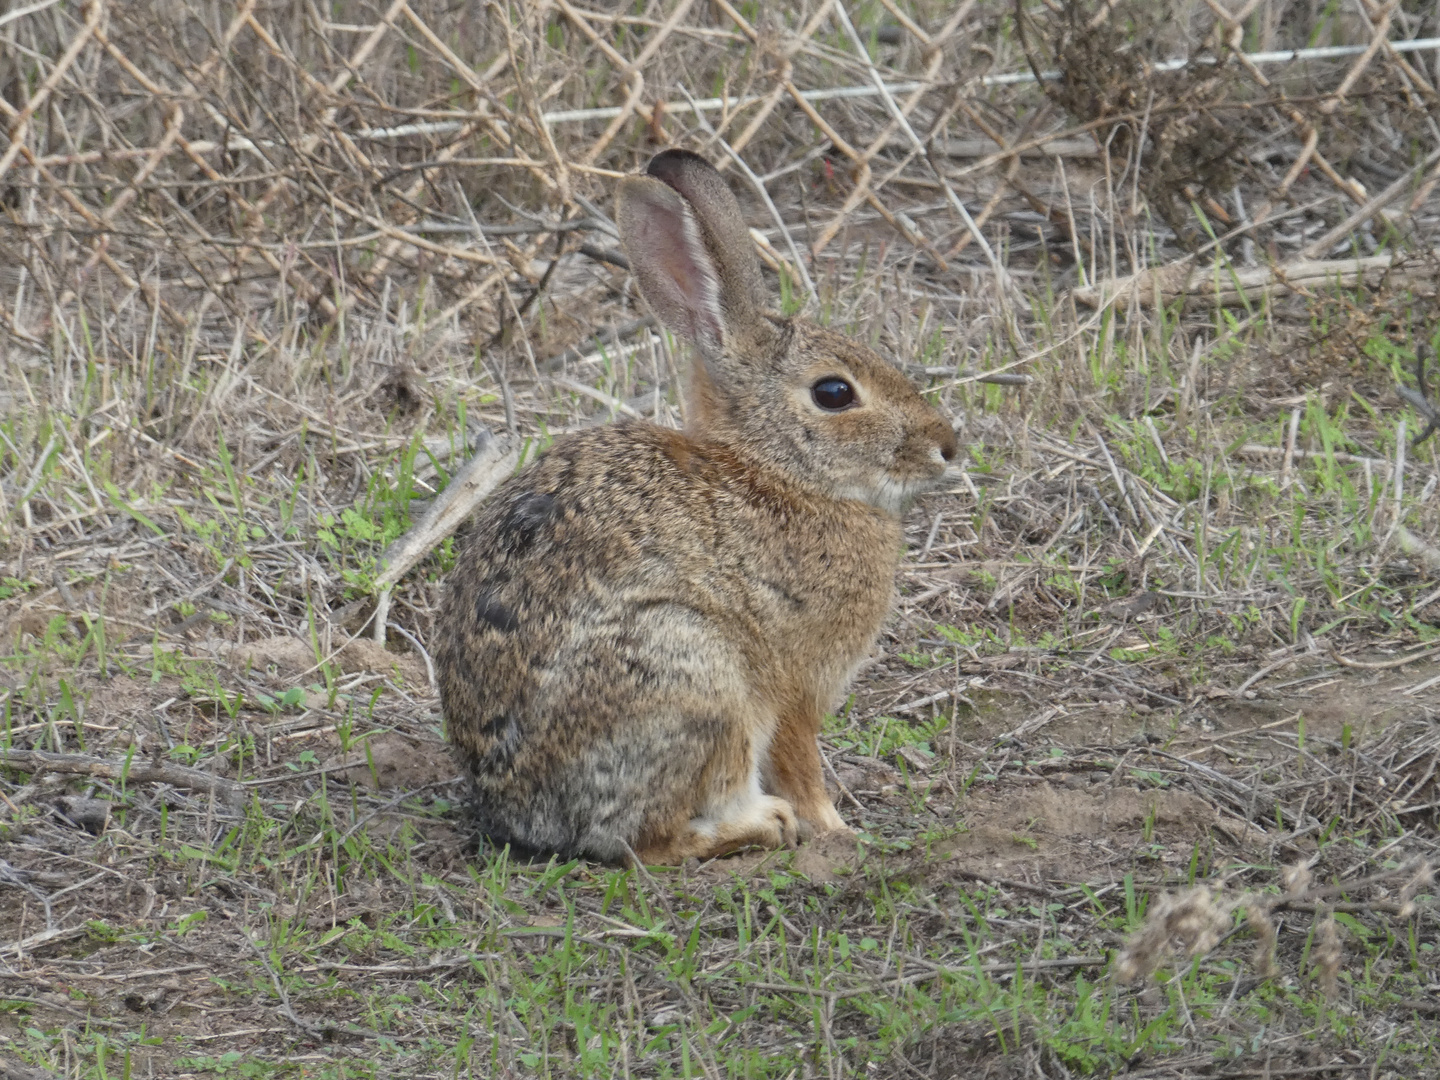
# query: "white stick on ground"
1399 494
493 461
1289 448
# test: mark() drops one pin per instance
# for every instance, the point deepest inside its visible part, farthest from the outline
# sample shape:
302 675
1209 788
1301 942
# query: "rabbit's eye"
833 394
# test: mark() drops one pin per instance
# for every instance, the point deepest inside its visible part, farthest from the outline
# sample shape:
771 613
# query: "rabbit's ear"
691 253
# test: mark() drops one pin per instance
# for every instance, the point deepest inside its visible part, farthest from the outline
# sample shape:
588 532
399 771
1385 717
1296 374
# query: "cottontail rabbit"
645 626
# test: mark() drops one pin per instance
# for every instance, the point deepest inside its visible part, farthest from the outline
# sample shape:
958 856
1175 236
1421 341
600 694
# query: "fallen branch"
997 378
1382 665
1229 285
979 148
139 770
1255 450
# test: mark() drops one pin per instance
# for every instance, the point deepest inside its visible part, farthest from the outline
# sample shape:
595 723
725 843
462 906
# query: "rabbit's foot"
765 821
769 822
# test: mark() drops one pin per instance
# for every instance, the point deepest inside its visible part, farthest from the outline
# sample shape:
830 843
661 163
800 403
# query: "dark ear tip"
667 164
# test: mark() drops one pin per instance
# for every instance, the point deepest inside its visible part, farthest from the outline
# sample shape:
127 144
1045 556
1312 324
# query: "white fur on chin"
891 494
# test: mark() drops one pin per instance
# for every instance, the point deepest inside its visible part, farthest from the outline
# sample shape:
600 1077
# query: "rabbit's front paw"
778 819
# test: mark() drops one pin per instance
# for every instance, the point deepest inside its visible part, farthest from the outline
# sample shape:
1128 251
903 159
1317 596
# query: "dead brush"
1196 922
1177 128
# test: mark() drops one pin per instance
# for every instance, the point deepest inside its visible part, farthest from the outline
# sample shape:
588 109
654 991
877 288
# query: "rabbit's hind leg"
793 771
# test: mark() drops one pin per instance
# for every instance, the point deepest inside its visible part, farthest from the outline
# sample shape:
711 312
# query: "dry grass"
1164 667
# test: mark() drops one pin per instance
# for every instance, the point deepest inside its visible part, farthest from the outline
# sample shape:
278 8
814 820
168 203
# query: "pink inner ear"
676 274
674 260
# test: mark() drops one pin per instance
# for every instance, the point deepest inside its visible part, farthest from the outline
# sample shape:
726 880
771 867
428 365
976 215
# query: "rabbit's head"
825 409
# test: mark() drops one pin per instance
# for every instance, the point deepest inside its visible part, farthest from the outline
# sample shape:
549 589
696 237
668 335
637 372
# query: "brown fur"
645 626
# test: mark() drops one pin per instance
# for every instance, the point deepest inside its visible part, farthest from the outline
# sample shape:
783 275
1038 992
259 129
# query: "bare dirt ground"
1145 771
